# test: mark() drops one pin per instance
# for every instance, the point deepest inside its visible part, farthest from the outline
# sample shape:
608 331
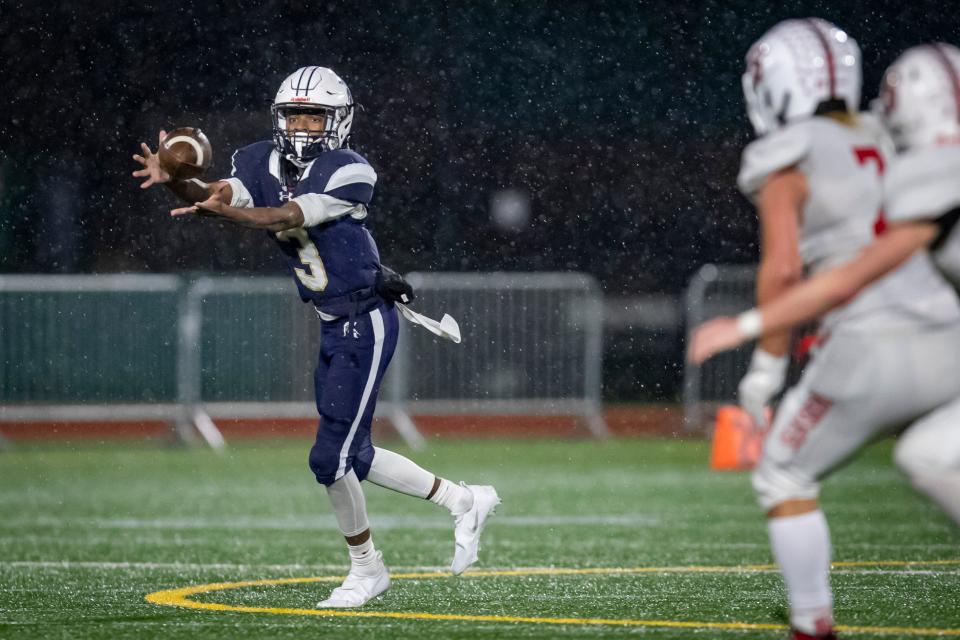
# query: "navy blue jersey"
331 258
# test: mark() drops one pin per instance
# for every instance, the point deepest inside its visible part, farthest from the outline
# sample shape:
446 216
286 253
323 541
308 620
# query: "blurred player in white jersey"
920 99
815 175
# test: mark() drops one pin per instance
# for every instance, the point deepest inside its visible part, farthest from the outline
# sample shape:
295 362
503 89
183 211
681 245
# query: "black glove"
392 287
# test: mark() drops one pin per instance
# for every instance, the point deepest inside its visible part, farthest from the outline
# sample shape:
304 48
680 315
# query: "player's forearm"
268 218
773 280
807 301
837 286
189 190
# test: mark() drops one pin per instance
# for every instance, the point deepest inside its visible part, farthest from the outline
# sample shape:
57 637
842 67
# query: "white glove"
763 380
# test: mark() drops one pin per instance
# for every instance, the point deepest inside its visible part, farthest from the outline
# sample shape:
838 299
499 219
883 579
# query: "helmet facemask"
304 145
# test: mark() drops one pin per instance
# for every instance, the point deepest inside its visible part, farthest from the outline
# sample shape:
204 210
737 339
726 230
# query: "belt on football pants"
350 304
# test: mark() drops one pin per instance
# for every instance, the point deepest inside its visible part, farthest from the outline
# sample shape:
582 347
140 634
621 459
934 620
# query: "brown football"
185 153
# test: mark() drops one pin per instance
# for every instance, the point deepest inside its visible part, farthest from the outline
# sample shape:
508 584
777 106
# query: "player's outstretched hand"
150 162
713 337
214 204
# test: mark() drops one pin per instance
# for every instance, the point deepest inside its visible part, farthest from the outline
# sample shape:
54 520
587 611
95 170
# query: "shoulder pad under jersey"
773 152
923 184
343 174
251 155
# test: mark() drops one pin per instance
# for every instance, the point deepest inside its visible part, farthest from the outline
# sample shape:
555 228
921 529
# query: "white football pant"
861 385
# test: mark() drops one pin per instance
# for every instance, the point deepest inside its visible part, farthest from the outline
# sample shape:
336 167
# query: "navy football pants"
353 360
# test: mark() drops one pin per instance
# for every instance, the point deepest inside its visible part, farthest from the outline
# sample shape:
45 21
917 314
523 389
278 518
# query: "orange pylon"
736 441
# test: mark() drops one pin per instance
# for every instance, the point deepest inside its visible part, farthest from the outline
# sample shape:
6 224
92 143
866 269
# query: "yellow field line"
689 569
181 598
896 563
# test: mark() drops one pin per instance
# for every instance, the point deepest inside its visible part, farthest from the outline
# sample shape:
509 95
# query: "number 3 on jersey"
871 154
314 276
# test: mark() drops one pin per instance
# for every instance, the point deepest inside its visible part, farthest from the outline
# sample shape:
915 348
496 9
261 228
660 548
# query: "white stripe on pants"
376 320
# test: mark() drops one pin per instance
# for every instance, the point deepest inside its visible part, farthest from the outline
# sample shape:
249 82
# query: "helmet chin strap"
300 142
294 160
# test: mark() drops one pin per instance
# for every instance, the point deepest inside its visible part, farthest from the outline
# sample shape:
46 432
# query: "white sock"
364 558
801 547
393 471
363 553
454 497
349 505
944 489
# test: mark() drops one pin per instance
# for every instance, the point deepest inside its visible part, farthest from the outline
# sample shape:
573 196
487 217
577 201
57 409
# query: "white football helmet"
920 96
312 89
798 67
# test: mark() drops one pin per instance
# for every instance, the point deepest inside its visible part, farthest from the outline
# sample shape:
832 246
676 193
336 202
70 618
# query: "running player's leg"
346 382
856 389
797 528
929 453
470 505
394 471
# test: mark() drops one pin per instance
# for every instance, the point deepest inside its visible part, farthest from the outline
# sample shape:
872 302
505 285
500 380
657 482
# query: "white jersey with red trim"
924 184
843 166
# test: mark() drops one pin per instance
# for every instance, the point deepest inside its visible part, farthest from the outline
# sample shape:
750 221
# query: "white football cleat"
469 526
359 588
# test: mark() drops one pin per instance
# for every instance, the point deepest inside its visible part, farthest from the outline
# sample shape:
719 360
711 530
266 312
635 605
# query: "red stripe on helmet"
939 51
828 55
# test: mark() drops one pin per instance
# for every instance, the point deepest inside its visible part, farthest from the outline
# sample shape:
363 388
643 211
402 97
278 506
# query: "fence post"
593 361
694 312
189 378
715 290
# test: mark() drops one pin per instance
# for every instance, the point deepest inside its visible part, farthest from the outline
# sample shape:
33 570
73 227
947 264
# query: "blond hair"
846 118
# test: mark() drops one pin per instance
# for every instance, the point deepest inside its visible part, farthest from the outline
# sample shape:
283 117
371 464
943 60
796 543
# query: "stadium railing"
132 347
249 348
532 345
89 348
713 291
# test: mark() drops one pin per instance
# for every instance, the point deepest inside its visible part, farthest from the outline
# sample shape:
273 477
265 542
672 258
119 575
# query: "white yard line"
321 522
183 566
339 568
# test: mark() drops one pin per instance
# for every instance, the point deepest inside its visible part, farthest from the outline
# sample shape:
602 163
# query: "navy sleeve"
247 167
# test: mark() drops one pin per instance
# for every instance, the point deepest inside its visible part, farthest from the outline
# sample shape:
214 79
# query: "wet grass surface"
87 532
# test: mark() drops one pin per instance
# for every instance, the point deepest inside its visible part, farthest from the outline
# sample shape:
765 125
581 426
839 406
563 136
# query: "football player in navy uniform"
311 192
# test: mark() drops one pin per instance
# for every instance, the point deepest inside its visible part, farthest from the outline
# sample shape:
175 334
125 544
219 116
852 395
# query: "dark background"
623 121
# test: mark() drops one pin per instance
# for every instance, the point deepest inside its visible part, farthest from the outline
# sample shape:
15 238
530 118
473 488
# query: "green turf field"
88 532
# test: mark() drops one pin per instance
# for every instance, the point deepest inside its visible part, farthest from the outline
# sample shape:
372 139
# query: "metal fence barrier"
716 290
157 347
87 348
250 347
532 344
